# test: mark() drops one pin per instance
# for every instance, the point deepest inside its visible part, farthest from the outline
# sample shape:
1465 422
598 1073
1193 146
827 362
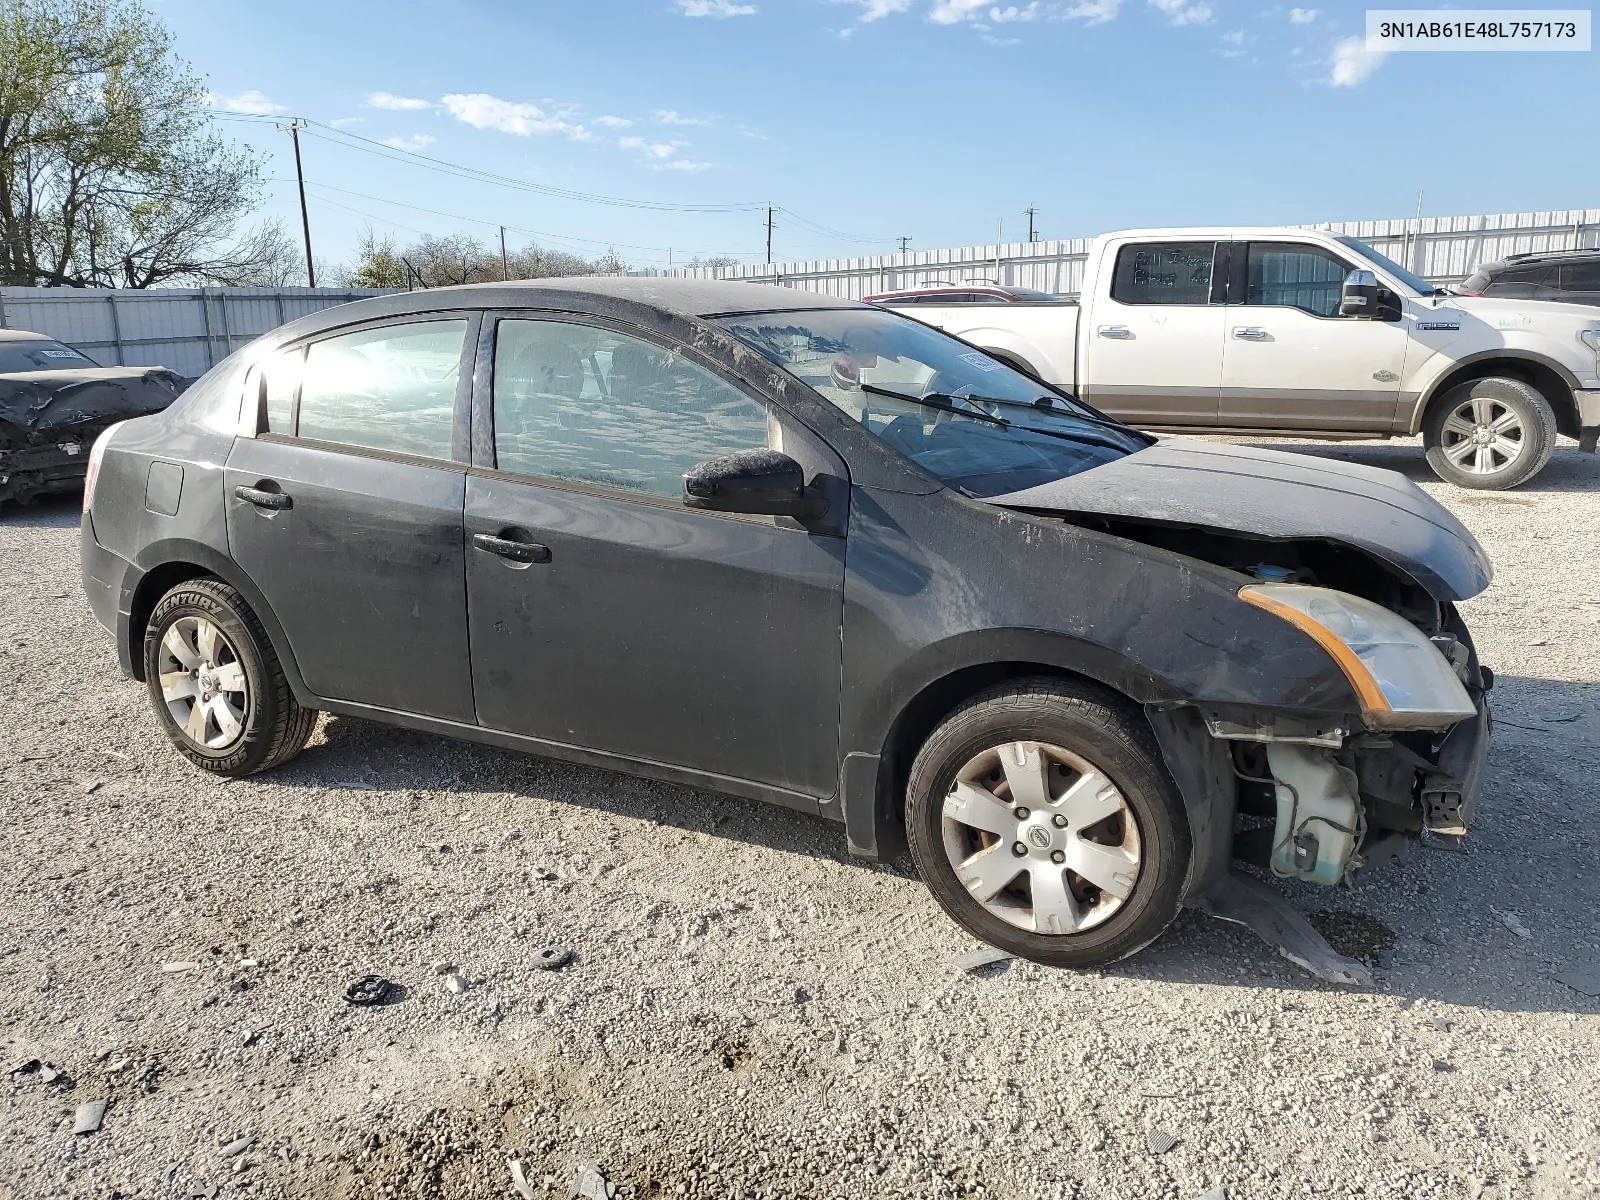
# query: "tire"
1513 414
250 720
1075 728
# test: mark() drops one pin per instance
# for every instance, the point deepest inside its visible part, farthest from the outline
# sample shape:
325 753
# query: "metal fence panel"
187 329
1442 249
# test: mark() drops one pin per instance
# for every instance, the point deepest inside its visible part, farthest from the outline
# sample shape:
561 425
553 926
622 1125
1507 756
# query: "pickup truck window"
1295 275
964 417
1163 273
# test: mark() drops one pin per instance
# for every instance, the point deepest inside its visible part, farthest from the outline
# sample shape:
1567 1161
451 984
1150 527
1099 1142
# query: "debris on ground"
455 983
1354 934
173 968
443 966
1216 1193
589 1183
203 1191
519 1180
1584 978
239 1145
89 1116
1512 922
369 990
984 956
552 958
1160 1141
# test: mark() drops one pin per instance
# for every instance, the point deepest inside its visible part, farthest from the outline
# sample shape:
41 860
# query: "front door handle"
1250 333
1114 331
523 552
262 498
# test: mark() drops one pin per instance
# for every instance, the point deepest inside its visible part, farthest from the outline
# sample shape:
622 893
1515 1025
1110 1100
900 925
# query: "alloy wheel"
1041 838
203 683
1482 435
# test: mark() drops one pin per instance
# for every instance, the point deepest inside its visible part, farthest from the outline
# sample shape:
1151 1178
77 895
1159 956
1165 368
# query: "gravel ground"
750 1013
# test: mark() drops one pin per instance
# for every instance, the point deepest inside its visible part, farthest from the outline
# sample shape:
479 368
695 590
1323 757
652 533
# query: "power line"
396 154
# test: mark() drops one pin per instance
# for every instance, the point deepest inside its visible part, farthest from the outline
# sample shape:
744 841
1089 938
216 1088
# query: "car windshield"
1415 282
967 418
40 355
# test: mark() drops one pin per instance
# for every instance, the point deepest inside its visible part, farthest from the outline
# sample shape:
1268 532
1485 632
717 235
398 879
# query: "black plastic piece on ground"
369 991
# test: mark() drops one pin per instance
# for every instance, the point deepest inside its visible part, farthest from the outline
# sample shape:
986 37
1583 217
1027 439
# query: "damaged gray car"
767 543
54 402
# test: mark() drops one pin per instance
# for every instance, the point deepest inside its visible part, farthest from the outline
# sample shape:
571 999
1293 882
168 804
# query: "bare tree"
109 172
461 258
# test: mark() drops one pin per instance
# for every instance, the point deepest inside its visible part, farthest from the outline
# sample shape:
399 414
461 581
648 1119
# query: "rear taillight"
96 453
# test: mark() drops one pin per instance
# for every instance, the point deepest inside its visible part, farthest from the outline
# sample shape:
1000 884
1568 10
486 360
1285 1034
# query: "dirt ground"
749 1013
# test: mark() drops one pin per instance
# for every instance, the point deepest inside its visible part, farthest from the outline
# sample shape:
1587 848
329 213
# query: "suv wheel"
1043 821
216 683
1491 433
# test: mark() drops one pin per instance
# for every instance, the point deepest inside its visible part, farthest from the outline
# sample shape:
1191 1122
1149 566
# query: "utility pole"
999 236
293 128
769 235
505 265
905 244
1030 212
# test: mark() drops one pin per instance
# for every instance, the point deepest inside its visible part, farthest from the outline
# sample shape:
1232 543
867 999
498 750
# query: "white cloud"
1001 16
746 132
611 122
951 12
653 149
715 8
417 141
876 10
1236 38
1095 12
1303 16
1182 12
483 111
1352 62
341 122
666 116
681 164
252 102
395 103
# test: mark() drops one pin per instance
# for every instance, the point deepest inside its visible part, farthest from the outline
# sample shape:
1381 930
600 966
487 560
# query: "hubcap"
1482 436
1041 838
203 683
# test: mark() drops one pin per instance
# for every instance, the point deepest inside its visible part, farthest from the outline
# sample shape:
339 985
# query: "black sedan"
772 544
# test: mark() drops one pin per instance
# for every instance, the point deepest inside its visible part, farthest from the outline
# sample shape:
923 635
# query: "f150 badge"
1439 323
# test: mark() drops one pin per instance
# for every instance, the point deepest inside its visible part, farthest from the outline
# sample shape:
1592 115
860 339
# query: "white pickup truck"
1301 333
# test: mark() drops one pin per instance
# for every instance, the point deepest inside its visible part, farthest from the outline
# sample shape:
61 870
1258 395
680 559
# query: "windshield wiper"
939 402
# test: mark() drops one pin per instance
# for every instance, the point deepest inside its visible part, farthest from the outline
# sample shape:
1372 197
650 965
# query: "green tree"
110 174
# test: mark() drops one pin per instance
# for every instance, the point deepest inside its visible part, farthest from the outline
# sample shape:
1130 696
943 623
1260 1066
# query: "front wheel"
1490 434
1043 821
217 686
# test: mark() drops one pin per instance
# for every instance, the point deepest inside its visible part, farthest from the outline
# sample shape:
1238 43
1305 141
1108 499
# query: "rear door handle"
523 552
261 498
1249 333
1114 331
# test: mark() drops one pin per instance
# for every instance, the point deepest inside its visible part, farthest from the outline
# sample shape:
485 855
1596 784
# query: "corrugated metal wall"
1442 249
187 329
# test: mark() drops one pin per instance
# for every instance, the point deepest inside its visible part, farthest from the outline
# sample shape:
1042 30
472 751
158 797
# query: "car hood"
1280 496
36 401
1508 312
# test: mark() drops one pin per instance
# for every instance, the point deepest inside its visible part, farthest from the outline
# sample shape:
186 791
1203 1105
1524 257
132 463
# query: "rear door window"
390 389
594 406
1520 283
1580 277
1163 273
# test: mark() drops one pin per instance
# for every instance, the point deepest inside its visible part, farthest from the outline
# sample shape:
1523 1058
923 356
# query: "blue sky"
873 119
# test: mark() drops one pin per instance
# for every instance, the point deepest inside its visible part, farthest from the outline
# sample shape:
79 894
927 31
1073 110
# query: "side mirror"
759 482
1359 297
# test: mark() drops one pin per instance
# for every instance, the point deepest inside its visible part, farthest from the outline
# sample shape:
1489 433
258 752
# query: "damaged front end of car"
50 419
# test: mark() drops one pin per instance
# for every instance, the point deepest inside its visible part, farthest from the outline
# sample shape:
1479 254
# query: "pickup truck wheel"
1044 823
216 684
1491 434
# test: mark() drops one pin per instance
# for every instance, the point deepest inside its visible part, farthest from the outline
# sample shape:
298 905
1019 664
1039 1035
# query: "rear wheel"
1490 434
217 686
1043 821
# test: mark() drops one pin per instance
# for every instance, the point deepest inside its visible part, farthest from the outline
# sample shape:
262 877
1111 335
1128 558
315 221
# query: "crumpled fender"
40 401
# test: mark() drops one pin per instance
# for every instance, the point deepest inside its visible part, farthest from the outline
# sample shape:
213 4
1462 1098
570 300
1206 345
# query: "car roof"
644 300
24 335
1538 256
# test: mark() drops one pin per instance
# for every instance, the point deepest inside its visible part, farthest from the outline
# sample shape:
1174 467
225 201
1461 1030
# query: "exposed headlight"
1591 338
1400 677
